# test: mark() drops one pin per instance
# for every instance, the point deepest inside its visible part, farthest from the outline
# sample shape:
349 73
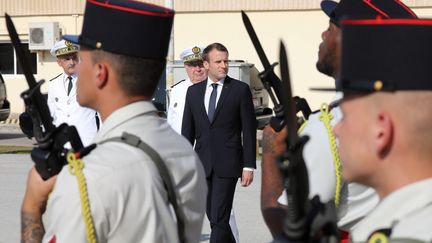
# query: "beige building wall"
300 29
47 67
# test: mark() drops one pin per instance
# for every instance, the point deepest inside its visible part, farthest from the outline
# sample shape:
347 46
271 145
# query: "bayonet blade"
289 107
21 54
255 41
267 76
295 171
23 58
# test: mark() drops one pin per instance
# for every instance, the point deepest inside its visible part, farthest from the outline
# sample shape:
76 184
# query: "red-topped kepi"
366 9
126 27
385 55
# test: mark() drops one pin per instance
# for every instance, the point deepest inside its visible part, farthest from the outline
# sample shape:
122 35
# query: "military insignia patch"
380 236
196 50
63 48
192 54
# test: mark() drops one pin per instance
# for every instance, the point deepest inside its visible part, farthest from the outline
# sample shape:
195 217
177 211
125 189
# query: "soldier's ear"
102 72
383 134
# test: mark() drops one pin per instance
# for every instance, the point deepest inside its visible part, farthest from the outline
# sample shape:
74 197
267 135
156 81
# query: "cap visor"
328 7
72 38
323 89
344 91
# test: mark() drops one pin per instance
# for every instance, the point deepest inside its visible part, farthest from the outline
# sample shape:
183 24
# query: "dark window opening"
9 63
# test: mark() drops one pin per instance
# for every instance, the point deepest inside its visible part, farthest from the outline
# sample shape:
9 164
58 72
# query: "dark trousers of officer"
219 203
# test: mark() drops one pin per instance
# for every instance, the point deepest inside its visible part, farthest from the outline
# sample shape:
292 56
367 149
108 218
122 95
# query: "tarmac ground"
13 174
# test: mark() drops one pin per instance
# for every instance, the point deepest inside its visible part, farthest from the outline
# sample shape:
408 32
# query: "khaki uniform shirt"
407 213
127 197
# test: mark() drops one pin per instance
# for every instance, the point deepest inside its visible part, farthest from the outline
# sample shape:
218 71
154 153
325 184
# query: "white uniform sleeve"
170 113
51 100
176 106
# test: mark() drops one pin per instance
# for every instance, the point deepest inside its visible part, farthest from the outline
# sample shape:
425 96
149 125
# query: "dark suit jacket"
219 144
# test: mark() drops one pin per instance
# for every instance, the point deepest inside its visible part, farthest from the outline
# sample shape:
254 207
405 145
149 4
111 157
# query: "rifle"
307 220
50 155
272 83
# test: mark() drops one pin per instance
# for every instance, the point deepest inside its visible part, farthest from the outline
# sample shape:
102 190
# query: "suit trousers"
219 204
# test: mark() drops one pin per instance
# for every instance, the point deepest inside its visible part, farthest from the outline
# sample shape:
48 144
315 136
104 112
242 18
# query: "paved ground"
14 167
11 134
247 212
13 171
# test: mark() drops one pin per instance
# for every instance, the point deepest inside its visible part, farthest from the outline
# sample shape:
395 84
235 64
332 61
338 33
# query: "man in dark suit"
219 118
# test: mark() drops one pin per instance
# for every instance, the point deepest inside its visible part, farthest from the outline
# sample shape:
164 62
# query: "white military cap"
193 53
63 47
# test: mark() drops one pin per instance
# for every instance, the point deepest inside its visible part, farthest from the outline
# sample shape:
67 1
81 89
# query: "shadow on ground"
11 135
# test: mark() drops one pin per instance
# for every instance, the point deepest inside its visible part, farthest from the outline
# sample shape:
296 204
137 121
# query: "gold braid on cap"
197 55
70 48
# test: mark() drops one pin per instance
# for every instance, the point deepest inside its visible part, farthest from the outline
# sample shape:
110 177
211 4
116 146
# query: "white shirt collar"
210 82
65 77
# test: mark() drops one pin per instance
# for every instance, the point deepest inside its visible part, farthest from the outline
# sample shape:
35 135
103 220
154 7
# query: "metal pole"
170 58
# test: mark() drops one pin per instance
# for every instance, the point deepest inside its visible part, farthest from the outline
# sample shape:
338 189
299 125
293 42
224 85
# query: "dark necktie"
69 85
212 102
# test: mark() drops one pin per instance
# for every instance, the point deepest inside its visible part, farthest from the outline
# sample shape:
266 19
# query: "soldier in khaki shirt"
128 201
385 137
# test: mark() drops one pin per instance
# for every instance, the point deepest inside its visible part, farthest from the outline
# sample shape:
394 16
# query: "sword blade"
22 55
288 103
255 41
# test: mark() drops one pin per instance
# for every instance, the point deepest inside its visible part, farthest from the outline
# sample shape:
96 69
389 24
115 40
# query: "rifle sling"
135 141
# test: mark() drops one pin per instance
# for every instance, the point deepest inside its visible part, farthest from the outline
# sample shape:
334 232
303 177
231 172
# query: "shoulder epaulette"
332 105
55 77
335 103
178 83
315 111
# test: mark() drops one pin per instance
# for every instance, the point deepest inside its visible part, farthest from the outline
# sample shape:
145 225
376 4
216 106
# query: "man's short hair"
196 63
137 76
217 46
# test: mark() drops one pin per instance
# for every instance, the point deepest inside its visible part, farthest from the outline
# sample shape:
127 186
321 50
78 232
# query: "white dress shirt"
209 90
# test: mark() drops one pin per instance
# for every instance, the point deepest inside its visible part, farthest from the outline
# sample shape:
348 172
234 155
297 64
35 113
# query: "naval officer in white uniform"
62 101
193 64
